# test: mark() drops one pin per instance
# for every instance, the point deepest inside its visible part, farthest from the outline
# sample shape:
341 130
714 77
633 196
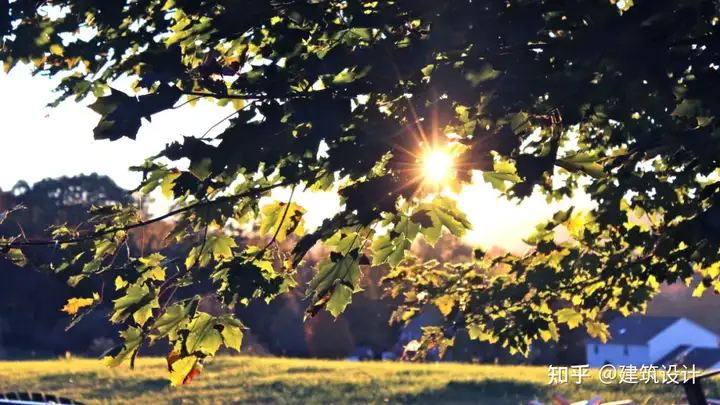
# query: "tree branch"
94 235
253 96
282 220
225 119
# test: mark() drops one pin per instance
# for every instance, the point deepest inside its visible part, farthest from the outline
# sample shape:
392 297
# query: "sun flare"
437 166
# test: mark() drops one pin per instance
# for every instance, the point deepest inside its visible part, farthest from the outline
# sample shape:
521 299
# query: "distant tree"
63 200
30 323
287 331
616 98
329 338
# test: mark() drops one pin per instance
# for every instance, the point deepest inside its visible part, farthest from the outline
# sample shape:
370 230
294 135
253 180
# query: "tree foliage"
541 97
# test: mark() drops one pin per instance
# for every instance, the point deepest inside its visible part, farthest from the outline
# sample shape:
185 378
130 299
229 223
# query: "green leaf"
520 123
444 214
17 257
138 301
220 246
337 271
102 246
168 183
364 33
151 267
282 219
339 300
203 336
120 283
687 109
389 250
499 180
108 104
201 169
582 163
561 217
232 332
175 318
132 339
485 73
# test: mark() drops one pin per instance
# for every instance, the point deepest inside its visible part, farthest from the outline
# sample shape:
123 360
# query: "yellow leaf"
598 330
445 304
569 316
576 223
699 290
74 304
155 273
120 283
57 49
454 186
183 370
551 333
652 282
623 5
238 104
714 270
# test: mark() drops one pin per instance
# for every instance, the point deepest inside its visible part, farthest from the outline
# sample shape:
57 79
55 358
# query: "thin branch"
22 231
225 119
282 220
253 96
94 235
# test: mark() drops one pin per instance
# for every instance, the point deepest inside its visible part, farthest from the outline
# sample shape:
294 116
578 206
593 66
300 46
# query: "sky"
47 142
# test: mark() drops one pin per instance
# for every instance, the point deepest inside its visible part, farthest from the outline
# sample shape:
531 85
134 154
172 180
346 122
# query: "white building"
644 340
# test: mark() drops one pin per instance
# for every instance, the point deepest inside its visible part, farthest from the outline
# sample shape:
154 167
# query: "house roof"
701 358
673 357
636 329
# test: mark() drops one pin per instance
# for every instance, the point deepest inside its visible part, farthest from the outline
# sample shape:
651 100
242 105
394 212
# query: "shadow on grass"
415 373
475 392
128 388
496 392
65 378
300 370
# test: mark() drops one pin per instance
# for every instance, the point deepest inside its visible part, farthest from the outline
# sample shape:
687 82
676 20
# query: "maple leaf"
74 304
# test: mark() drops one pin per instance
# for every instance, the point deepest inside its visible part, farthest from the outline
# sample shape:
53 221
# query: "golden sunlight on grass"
437 166
246 380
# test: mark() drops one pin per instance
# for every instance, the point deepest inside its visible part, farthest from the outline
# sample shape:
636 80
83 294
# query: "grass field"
241 380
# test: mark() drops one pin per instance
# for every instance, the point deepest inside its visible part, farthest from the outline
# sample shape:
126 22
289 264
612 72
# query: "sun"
437 166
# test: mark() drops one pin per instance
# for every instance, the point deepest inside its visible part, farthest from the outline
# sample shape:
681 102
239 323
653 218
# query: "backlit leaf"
282 219
570 317
203 336
74 304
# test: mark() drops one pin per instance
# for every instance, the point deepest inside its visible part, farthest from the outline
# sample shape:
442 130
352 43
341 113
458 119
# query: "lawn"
242 380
